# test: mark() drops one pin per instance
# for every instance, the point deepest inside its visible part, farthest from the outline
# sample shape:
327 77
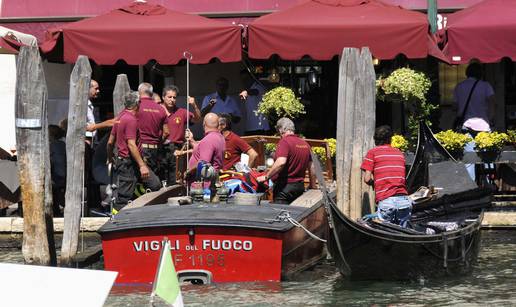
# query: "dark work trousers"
92 187
151 158
167 162
285 193
128 175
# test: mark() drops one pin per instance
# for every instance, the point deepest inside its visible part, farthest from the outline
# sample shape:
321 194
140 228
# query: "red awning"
322 28
486 31
141 32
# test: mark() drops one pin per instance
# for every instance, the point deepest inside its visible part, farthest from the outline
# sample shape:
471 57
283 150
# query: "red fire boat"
216 242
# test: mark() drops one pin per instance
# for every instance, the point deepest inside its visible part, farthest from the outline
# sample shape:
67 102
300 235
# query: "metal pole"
188 56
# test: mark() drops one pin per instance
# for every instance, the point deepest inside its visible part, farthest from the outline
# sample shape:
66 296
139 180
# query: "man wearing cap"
130 165
292 160
151 124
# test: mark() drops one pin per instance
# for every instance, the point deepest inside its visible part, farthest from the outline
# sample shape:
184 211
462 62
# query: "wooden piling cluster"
75 147
34 158
121 89
355 129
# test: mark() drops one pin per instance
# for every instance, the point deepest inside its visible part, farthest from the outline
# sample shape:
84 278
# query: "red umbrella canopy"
485 31
321 28
141 32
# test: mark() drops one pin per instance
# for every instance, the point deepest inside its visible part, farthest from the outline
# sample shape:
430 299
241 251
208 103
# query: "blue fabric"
396 210
255 121
228 106
237 185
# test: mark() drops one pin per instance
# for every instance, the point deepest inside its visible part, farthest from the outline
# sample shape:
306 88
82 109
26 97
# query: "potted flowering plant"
321 151
280 102
511 135
409 87
453 142
398 141
489 144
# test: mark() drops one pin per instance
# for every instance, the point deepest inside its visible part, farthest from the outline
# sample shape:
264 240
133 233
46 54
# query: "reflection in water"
493 282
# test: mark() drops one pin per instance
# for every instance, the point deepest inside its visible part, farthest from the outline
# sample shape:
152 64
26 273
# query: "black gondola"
370 249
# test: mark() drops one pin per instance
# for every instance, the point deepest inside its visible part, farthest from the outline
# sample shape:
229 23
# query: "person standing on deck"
219 102
176 123
384 167
129 164
292 160
151 124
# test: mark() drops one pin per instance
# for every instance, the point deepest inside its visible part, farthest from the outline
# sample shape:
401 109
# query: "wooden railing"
258 143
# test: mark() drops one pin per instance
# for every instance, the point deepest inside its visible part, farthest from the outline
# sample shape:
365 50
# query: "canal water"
492 283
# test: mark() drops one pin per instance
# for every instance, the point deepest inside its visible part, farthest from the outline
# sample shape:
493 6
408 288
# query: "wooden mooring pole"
75 146
121 88
33 158
355 129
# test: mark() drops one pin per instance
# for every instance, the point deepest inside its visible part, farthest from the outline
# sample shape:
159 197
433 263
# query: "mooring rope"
284 215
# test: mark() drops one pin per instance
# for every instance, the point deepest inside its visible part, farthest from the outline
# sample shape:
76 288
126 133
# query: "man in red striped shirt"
384 167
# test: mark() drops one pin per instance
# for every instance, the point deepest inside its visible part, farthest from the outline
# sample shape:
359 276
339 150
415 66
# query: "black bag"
459 120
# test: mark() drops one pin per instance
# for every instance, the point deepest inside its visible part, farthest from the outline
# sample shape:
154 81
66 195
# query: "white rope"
284 215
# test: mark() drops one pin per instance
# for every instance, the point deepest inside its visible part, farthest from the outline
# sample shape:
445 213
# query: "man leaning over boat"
210 149
292 160
384 168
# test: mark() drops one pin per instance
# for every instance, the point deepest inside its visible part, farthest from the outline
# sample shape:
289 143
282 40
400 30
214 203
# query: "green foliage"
410 87
511 134
281 102
398 141
491 140
407 84
321 151
453 141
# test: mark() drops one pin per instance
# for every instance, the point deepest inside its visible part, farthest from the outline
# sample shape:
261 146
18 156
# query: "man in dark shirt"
235 146
220 102
151 124
129 164
292 160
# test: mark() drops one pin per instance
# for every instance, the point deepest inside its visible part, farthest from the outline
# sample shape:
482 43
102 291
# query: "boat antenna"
188 56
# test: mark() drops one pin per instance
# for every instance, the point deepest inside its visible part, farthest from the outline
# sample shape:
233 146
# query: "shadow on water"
492 282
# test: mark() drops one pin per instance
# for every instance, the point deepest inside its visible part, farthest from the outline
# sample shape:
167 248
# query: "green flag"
166 284
432 15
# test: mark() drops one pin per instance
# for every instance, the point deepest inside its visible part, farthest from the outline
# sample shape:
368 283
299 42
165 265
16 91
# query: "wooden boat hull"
214 243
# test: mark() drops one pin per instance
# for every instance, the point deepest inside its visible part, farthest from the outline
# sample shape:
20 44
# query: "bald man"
211 148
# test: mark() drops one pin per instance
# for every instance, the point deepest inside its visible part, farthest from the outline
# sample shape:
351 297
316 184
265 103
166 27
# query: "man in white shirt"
90 117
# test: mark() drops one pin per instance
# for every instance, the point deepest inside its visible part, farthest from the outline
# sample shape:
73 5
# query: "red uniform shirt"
387 164
297 152
209 149
126 128
151 118
234 147
176 123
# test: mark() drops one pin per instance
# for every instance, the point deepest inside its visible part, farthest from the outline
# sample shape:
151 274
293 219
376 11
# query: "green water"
492 283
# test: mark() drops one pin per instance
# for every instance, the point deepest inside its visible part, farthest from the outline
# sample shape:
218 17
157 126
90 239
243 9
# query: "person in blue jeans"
384 168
